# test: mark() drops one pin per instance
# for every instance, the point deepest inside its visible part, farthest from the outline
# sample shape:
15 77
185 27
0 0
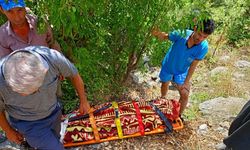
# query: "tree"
106 39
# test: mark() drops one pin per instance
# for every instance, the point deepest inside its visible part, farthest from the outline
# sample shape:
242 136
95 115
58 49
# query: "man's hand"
10 132
155 31
160 35
14 136
84 107
61 77
185 86
78 84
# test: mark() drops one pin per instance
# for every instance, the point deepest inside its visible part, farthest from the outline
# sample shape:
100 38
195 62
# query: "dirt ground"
186 138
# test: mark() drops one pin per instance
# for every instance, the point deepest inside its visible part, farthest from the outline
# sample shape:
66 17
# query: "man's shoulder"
204 44
203 47
188 32
1 71
181 33
49 54
4 29
176 32
42 50
31 17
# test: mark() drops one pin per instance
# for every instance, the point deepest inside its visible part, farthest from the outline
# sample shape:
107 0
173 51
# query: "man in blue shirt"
188 48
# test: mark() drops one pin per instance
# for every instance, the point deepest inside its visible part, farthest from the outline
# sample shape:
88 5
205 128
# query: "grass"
219 85
197 98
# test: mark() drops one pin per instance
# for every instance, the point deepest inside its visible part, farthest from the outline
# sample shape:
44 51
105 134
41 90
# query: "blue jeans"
43 134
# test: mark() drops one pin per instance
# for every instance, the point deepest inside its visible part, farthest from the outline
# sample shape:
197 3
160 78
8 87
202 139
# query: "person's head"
24 71
14 10
203 31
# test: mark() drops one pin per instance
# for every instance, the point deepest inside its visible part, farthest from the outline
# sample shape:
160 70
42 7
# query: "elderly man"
28 83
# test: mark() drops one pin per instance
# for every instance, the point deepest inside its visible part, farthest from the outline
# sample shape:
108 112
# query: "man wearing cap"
28 82
20 29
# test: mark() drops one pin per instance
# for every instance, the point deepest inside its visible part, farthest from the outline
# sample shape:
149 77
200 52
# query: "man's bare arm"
78 84
11 133
160 35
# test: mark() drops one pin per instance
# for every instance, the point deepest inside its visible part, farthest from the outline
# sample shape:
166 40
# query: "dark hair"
208 26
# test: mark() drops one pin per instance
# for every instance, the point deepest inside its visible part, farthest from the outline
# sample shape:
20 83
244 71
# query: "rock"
225 124
238 76
106 144
221 130
8 145
147 79
218 70
96 146
146 59
137 77
224 59
220 146
203 129
242 64
220 108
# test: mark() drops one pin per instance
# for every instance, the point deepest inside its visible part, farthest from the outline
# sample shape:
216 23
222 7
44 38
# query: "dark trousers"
239 131
43 134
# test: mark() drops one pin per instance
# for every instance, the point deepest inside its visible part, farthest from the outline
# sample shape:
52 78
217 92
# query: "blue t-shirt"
179 57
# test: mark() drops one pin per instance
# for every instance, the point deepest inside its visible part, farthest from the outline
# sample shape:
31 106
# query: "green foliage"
191 113
232 19
107 39
196 99
69 100
2 19
157 50
200 97
210 61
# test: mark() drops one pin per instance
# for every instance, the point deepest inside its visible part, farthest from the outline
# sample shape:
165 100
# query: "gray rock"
224 59
105 144
137 77
242 64
238 76
222 108
218 70
203 129
220 130
9 145
225 124
96 146
220 146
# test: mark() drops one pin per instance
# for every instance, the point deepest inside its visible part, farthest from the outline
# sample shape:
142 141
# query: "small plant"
200 97
192 112
196 98
222 85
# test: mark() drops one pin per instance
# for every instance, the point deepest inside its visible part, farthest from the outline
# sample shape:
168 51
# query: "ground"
203 86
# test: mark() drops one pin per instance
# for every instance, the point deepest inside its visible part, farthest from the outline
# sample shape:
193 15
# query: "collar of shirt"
187 38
